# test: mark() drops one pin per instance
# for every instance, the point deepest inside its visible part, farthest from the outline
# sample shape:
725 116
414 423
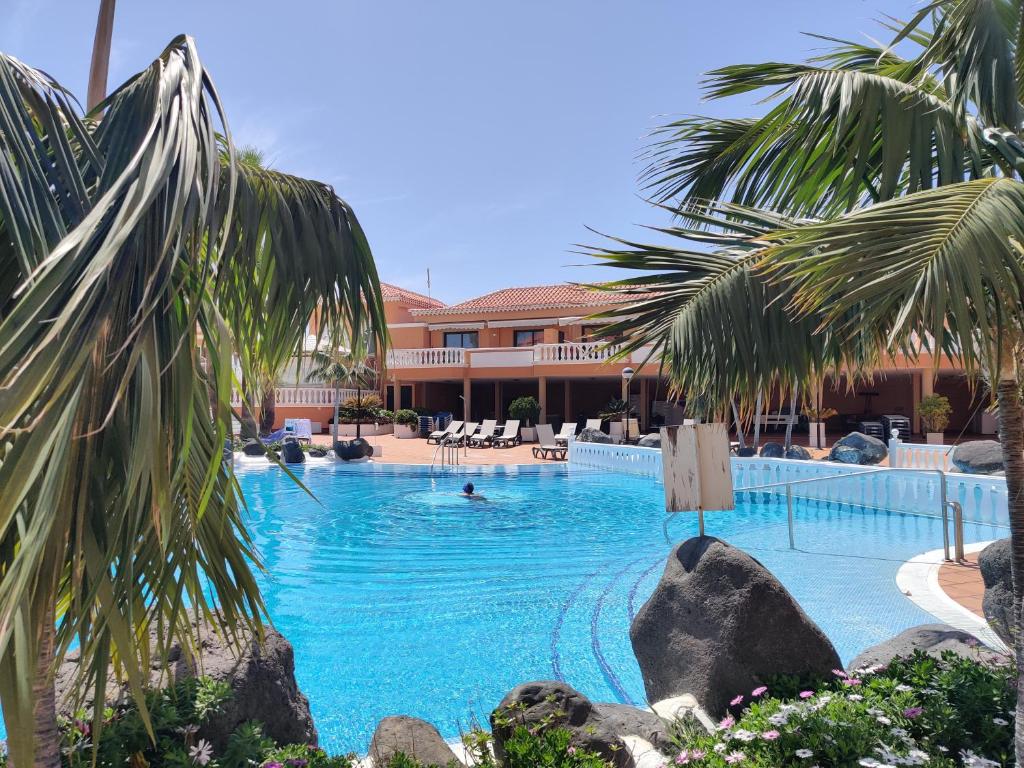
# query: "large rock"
997 605
933 639
262 682
798 452
352 449
652 440
872 449
599 728
719 624
846 454
291 451
979 457
772 451
253 447
593 436
411 737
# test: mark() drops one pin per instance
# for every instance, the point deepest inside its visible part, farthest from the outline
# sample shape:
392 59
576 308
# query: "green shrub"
525 409
407 417
934 411
916 711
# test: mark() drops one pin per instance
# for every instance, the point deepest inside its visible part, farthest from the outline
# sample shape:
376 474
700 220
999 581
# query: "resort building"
472 359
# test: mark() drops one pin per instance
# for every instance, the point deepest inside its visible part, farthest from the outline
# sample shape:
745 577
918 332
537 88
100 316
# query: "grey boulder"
262 680
253 447
798 452
872 449
596 728
979 457
593 436
933 639
292 453
997 605
719 624
411 737
772 451
652 440
845 454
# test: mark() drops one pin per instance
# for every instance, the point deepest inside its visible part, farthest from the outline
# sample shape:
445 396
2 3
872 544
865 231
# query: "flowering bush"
917 711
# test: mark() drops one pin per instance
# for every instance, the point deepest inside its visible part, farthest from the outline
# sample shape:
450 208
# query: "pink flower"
697 754
571 751
839 673
851 681
734 757
911 712
736 702
683 758
727 722
761 691
806 694
770 735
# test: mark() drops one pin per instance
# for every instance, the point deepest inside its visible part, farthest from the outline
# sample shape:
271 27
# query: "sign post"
696 469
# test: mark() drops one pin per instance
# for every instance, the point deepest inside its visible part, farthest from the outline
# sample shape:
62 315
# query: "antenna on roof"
428 283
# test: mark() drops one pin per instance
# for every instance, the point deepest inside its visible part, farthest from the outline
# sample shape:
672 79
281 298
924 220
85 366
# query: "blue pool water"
402 597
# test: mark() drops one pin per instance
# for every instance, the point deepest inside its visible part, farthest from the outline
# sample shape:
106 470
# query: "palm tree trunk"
44 728
1011 438
268 411
359 409
337 410
788 443
739 425
757 421
100 55
249 428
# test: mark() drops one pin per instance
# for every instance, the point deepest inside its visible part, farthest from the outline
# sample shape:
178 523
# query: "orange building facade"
473 358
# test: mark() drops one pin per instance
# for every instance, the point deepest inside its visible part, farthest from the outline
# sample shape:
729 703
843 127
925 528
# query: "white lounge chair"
301 429
483 438
467 433
509 437
568 430
453 428
546 447
593 424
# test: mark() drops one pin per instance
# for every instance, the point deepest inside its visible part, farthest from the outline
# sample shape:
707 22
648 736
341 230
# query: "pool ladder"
449 450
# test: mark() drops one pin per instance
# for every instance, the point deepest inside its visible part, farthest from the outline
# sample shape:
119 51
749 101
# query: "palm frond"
939 268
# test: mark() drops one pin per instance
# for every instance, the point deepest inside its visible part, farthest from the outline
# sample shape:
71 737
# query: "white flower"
201 752
742 734
804 753
916 757
904 688
883 720
779 718
972 760
720 747
855 697
868 762
999 721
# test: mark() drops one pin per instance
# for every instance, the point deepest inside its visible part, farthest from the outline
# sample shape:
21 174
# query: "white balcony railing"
574 352
435 357
920 456
315 397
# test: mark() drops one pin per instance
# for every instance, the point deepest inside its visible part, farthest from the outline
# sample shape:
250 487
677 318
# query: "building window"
528 338
464 339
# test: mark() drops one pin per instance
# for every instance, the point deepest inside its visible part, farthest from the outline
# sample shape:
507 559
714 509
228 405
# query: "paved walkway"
417 451
963 583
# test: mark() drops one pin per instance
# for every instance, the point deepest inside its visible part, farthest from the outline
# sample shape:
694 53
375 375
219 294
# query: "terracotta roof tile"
558 296
395 293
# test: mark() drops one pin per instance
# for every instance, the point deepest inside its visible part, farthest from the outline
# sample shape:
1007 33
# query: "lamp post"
627 375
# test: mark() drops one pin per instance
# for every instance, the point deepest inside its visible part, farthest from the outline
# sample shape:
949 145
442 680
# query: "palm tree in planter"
340 366
934 411
126 245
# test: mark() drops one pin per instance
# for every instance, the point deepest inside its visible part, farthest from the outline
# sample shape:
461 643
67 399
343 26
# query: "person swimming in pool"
469 492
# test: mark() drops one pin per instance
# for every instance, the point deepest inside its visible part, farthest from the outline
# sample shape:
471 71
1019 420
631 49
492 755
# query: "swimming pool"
400 597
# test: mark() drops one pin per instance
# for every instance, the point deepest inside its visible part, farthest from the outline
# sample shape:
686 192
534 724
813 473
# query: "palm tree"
125 245
911 164
337 365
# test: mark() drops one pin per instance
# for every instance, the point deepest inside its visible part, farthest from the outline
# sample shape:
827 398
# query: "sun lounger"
453 428
547 448
276 436
568 430
483 438
509 437
593 424
302 429
467 433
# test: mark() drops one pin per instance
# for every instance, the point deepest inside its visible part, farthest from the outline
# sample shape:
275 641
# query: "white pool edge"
918 579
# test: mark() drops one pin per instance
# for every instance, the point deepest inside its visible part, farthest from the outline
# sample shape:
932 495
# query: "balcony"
567 353
312 397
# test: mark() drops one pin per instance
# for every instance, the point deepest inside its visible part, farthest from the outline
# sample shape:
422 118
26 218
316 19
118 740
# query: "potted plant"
934 411
407 424
816 418
363 416
527 411
616 413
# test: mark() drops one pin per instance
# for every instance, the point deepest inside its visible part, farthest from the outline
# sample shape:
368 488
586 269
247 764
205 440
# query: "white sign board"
696 468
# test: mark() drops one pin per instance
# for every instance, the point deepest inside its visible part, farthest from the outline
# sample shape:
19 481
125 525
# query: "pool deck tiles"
963 583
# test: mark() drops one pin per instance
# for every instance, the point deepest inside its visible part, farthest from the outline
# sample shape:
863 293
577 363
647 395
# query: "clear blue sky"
475 138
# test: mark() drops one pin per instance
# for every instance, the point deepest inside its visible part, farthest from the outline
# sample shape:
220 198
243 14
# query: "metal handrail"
945 504
449 448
